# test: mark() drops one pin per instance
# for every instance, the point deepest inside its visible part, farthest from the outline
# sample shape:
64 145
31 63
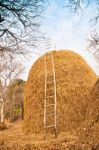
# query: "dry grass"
94 103
14 139
2 126
92 129
74 79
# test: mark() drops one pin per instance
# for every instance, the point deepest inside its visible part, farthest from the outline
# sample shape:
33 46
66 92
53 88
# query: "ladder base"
55 133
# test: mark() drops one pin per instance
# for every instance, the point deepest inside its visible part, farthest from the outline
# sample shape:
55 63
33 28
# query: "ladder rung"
50 96
49 89
50 82
50 126
50 114
50 105
48 64
48 76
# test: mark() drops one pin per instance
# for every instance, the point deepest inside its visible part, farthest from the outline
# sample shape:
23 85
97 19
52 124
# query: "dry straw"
91 134
74 79
93 106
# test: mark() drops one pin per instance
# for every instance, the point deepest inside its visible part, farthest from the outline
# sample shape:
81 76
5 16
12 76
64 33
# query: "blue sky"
68 31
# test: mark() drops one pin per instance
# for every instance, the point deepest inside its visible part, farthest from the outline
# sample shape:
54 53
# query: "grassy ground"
14 139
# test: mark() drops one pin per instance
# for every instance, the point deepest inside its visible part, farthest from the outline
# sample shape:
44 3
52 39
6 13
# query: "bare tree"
79 5
2 109
9 70
94 44
19 25
75 5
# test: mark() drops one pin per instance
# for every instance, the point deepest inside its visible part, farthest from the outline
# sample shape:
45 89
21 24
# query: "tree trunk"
2 110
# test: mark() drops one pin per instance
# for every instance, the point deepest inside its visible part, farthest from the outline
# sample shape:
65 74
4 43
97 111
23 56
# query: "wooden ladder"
50 95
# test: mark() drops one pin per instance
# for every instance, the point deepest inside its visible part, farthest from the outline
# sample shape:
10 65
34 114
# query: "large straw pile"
94 113
91 134
74 78
94 103
94 110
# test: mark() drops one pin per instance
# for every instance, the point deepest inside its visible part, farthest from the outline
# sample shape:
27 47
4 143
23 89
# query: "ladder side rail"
54 89
45 97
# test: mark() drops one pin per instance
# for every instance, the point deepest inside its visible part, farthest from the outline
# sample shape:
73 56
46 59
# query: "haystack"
74 79
94 104
94 113
91 134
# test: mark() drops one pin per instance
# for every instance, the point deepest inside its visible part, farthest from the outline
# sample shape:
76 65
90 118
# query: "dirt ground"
13 139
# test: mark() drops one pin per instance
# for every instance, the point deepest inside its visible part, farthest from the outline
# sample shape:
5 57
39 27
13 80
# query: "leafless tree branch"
20 24
76 6
94 44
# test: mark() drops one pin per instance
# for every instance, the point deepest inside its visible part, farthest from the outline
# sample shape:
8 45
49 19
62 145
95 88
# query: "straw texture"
74 79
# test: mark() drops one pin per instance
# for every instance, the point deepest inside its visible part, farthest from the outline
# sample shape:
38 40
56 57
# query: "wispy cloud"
68 30
71 31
